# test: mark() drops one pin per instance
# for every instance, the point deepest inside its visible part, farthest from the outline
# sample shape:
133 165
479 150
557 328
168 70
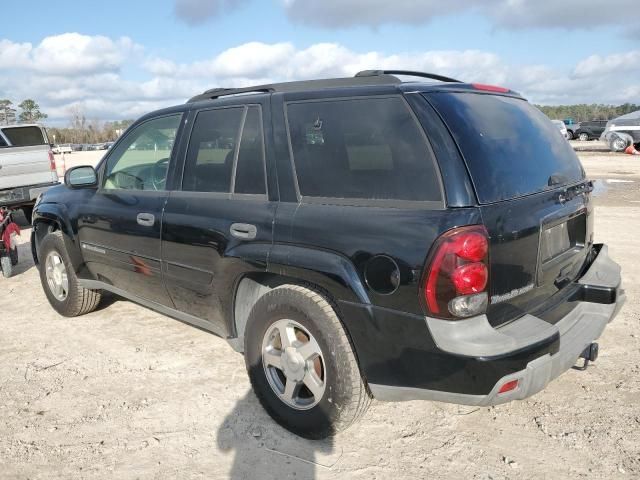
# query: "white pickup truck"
27 166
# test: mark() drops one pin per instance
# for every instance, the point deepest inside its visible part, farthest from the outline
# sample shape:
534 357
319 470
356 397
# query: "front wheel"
59 281
618 144
583 137
301 364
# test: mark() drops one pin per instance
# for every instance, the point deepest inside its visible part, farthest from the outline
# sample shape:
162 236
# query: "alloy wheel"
294 364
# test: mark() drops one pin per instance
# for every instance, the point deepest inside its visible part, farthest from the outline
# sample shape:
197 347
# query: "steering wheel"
159 173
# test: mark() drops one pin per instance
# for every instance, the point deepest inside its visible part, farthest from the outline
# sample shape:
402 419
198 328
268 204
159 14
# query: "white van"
27 166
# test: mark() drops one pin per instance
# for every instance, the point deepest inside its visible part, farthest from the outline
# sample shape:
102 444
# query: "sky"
122 58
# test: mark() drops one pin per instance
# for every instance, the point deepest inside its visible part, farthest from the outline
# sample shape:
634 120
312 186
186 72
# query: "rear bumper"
14 197
475 359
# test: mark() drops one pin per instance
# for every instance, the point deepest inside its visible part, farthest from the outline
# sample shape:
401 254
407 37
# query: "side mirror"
81 177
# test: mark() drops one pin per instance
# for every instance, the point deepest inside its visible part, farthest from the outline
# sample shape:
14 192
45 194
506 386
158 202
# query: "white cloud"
72 69
615 64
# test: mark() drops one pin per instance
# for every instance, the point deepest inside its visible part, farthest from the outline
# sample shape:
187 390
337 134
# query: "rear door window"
212 149
510 147
24 136
250 170
370 148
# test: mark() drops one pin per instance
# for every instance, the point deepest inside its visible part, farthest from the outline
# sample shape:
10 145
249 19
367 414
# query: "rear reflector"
509 386
489 88
52 161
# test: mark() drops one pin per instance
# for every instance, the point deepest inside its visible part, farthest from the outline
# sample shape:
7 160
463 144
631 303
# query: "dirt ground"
128 393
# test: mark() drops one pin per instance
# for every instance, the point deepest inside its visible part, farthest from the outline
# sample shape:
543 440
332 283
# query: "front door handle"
146 219
244 231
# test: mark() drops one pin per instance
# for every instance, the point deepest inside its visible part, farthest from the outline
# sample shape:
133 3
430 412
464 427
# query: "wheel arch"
48 218
329 274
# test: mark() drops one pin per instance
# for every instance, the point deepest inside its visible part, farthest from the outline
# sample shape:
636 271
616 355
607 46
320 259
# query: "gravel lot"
128 393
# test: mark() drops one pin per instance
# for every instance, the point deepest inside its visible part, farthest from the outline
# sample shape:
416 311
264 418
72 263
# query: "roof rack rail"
222 92
410 73
366 77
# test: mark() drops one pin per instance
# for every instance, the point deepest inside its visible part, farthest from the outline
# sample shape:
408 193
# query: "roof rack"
366 77
409 73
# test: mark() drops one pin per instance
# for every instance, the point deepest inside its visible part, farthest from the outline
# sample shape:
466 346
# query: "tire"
28 213
6 266
344 398
13 255
72 300
569 135
618 144
583 137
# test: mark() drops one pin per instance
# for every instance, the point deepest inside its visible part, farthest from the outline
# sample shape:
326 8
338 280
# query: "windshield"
510 147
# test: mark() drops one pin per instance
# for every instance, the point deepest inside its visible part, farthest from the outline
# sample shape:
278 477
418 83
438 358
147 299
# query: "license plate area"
562 249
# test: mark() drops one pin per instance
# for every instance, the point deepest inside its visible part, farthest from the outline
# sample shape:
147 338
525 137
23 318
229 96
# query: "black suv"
356 238
590 130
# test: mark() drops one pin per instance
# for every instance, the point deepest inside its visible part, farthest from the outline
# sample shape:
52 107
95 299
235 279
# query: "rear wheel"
59 279
583 137
301 364
6 265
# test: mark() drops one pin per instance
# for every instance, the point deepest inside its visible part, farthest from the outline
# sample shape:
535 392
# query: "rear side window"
24 136
510 147
370 148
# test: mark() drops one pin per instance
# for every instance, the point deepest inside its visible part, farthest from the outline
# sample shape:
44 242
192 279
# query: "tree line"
584 112
83 130
29 112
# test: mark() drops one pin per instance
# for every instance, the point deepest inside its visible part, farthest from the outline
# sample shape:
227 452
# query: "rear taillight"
52 161
457 274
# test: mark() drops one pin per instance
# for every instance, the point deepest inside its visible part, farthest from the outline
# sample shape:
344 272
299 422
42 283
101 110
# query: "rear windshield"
510 147
24 136
368 148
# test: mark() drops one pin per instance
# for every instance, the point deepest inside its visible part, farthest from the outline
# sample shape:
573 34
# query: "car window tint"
510 147
24 136
250 172
140 160
212 150
2 142
361 148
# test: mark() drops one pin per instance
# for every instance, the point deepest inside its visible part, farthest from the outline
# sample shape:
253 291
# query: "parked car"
623 131
571 127
561 127
58 149
590 130
27 166
357 237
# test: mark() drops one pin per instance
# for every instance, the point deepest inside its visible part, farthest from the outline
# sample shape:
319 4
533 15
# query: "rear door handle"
146 219
244 231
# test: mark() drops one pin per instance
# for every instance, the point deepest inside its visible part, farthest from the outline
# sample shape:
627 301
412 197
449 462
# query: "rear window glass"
510 147
24 136
361 149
